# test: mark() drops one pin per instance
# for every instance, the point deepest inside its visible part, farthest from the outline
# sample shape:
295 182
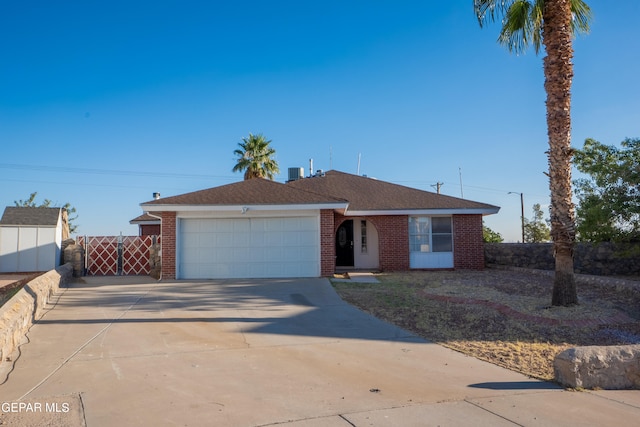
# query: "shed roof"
14 215
145 218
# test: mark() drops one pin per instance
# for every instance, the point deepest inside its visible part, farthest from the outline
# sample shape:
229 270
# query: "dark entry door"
344 244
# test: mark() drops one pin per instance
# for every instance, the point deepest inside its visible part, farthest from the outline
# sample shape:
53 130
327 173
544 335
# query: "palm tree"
551 23
255 158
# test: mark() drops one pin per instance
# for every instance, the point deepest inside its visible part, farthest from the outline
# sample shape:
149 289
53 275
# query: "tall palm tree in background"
551 23
255 158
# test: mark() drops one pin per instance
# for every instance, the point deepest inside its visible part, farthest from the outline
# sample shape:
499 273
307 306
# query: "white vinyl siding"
25 248
249 247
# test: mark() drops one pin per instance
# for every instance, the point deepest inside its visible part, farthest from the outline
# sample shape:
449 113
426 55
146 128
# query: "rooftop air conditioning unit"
296 174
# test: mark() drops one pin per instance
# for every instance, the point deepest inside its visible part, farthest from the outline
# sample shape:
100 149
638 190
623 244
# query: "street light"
521 211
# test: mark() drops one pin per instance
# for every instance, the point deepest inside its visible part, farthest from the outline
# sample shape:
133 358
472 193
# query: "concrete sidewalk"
130 351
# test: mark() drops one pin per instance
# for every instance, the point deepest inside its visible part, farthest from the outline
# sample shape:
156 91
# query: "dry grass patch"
503 317
10 284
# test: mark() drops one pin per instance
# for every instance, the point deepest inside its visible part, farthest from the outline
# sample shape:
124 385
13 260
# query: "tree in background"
31 203
255 158
536 230
551 23
490 236
609 197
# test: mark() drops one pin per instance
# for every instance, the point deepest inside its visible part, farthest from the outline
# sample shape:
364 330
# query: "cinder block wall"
601 259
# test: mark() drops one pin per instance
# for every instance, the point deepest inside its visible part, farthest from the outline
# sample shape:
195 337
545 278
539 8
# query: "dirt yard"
10 284
501 316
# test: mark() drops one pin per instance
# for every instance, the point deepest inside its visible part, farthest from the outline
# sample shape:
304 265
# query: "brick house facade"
446 233
468 243
147 225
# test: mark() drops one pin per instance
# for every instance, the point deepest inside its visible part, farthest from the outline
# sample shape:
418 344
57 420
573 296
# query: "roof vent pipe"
310 167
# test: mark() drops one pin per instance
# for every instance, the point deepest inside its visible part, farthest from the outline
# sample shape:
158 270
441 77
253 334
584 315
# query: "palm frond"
522 21
582 16
517 27
488 11
255 158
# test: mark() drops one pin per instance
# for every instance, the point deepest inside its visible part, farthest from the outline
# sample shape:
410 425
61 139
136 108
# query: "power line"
121 172
64 169
87 184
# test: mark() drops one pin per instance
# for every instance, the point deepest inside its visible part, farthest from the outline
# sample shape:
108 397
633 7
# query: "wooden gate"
117 255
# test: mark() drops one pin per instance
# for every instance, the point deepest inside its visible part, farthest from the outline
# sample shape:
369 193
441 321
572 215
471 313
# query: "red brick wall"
468 248
150 229
168 241
327 243
393 239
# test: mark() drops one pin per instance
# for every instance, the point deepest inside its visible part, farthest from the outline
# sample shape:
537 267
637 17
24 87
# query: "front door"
344 244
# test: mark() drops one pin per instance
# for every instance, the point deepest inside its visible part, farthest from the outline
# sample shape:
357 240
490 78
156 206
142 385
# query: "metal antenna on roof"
461 190
330 158
358 172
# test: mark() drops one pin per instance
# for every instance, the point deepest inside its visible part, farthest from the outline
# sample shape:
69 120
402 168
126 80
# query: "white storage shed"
31 238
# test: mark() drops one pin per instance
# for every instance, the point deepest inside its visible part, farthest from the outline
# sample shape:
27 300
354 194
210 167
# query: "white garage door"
249 248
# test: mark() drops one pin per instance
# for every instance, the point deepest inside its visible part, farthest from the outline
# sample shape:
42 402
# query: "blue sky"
104 103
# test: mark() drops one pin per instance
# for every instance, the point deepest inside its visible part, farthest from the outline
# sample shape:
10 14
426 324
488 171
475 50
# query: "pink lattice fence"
117 255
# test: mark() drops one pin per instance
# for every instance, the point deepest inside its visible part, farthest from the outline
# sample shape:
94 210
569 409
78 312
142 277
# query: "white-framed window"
430 234
363 235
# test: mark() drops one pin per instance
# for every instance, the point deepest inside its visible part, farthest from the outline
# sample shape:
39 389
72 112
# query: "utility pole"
437 186
521 211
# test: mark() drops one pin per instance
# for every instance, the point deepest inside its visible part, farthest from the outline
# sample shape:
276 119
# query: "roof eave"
30 225
454 211
241 208
145 222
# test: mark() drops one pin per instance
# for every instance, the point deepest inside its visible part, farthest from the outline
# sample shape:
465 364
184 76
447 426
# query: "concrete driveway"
131 351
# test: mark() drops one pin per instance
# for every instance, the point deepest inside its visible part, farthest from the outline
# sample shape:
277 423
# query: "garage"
248 247
260 228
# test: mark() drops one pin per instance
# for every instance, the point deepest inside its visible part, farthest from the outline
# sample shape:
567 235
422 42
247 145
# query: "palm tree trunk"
558 72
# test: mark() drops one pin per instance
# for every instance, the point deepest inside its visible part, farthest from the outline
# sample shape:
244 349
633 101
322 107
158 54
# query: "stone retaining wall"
73 253
25 307
603 259
155 261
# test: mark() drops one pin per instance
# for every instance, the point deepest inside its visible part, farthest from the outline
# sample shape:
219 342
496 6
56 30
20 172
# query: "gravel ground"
503 316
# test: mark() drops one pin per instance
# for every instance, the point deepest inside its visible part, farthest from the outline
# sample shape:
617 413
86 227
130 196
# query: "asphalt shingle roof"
30 216
361 194
145 217
249 192
366 194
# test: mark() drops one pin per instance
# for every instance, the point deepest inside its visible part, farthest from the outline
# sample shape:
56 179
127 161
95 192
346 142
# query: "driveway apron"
130 351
